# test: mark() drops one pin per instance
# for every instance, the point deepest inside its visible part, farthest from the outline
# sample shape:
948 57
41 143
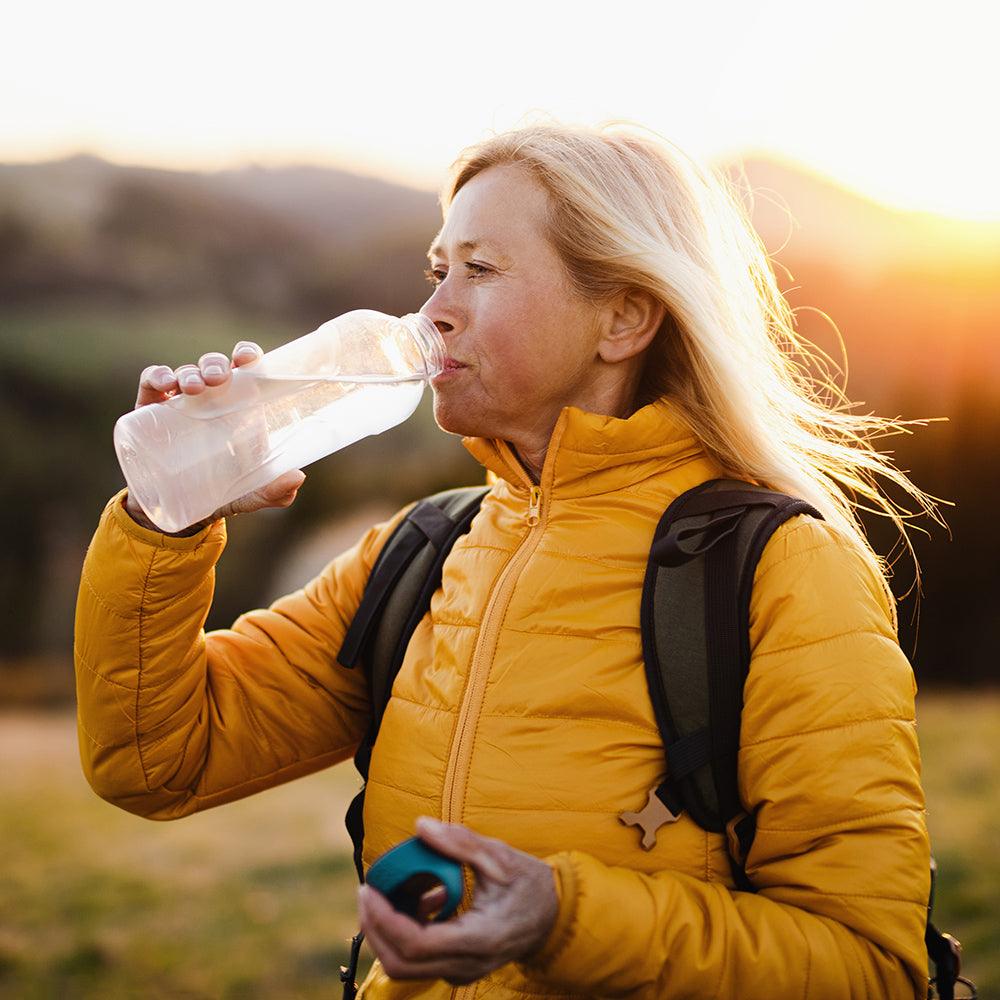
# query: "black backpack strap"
396 596
695 620
696 642
945 952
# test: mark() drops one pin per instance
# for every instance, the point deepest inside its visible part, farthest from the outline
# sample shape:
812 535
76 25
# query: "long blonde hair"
630 211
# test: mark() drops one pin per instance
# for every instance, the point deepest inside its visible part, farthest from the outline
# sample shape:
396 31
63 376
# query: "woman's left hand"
513 910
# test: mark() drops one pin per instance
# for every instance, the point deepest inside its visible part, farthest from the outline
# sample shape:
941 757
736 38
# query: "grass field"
257 899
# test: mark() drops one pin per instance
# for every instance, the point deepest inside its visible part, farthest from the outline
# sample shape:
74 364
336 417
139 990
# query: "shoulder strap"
396 596
696 642
695 619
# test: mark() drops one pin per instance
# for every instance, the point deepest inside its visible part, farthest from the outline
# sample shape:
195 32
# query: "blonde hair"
630 211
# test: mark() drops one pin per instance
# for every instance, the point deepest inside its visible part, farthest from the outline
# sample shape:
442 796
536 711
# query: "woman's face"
522 344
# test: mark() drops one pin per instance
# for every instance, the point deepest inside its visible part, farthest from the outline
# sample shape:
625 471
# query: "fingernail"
247 350
191 379
430 824
213 370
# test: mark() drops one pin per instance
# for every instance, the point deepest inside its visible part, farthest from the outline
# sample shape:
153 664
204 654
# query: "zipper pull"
534 505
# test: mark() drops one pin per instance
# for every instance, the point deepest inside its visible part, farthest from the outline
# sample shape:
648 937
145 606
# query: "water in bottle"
357 375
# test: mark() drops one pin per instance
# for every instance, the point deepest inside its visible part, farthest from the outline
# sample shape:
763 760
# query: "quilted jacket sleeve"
829 762
172 720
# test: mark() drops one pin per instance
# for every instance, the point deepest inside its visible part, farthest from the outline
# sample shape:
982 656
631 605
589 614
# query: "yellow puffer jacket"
521 710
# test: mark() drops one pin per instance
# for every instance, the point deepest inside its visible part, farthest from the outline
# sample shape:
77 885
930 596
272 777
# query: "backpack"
694 619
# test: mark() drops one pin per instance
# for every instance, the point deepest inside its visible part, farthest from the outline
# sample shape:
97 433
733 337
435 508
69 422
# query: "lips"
449 370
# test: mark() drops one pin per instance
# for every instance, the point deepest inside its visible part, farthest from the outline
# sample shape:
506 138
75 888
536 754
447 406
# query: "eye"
435 275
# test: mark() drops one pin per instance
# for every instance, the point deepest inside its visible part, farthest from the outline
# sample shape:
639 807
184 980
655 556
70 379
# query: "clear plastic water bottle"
358 374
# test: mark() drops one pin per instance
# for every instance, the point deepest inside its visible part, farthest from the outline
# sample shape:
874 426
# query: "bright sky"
896 99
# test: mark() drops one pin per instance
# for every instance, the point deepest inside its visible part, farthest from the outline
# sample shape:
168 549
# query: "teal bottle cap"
404 873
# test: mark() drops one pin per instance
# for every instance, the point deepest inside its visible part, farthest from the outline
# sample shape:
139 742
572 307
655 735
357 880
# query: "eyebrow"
465 246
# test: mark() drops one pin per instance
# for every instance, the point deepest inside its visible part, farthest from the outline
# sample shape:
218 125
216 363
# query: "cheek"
528 342
512 369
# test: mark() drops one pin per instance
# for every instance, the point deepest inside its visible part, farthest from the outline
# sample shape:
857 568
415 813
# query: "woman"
616 338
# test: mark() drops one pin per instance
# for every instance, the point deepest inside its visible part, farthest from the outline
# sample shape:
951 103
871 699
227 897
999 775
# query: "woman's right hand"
158 383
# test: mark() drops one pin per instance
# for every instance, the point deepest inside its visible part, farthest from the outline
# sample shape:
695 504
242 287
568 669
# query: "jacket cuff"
115 510
564 875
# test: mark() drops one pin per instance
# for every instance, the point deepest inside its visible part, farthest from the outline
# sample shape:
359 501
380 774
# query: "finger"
416 941
408 949
245 353
456 969
282 491
485 854
214 368
155 383
279 493
189 379
431 902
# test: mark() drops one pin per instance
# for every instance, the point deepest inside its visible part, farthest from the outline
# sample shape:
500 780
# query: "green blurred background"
106 268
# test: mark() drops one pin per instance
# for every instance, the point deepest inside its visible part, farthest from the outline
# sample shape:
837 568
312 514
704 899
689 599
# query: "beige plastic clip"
650 818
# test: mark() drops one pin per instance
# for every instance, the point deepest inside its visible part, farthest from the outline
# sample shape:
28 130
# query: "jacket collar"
590 453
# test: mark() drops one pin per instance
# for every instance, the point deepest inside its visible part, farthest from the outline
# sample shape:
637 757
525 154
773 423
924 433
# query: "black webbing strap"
677 547
944 951
654 625
460 524
783 508
425 523
696 644
946 968
713 498
354 818
686 755
396 597
745 829
726 670
349 972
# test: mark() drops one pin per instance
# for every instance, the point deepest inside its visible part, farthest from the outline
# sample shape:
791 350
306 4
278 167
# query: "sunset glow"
892 102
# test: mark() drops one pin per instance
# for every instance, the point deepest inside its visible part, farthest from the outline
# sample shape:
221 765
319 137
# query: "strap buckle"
349 972
948 966
654 814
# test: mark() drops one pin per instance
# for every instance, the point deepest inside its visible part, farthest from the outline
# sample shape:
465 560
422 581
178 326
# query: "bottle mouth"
429 340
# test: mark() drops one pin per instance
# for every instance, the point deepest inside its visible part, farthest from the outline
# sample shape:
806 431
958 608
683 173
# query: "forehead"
502 207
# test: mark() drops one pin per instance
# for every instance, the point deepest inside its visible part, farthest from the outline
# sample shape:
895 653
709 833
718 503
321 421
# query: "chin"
453 418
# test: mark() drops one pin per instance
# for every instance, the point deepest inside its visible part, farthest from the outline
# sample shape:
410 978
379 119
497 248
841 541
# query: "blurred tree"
105 269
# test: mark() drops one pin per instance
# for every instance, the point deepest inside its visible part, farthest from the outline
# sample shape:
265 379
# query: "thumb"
465 845
431 902
278 493
282 491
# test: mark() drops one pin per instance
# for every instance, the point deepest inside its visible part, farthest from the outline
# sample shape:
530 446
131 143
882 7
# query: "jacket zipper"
453 800
489 633
534 505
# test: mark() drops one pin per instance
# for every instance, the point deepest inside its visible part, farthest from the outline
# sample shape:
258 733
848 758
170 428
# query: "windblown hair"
631 211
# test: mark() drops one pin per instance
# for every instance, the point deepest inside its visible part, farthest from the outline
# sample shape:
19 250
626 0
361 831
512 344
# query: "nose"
443 311
444 328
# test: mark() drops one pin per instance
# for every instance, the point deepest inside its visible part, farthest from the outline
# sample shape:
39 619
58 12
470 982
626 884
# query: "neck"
532 464
531 449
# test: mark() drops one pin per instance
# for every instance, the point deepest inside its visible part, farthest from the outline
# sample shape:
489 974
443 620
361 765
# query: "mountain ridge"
329 203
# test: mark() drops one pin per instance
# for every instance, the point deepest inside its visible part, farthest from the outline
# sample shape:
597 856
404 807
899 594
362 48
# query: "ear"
633 317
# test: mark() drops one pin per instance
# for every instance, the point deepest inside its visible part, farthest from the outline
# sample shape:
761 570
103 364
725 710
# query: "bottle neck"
429 340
